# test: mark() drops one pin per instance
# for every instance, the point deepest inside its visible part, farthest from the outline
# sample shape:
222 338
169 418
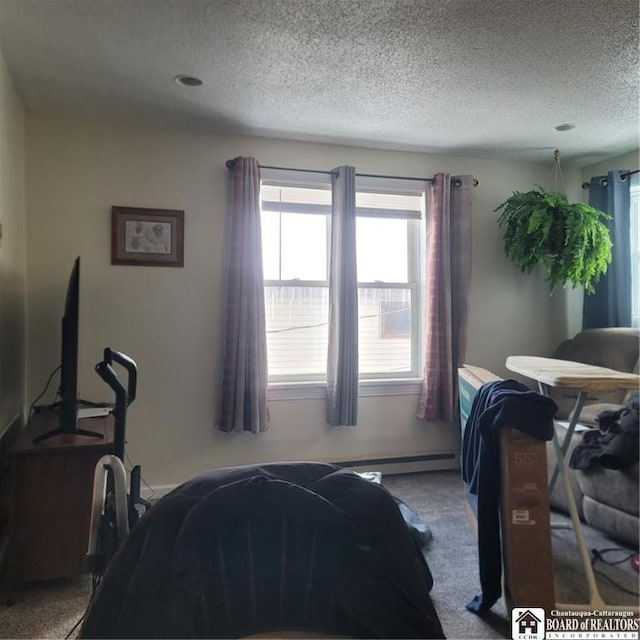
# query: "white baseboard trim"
386 466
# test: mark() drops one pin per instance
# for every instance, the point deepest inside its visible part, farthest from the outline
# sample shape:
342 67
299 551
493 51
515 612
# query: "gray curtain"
610 305
243 404
342 361
448 278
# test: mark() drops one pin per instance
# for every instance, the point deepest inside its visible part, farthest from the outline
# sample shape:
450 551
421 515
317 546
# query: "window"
635 251
388 252
296 219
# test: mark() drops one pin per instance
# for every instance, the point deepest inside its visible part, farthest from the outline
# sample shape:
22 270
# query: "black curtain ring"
456 182
604 182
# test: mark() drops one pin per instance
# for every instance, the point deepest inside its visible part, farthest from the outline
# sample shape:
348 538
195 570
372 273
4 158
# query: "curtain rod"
456 182
586 185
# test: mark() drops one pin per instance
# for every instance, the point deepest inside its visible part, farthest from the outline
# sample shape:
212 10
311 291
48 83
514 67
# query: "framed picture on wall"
147 237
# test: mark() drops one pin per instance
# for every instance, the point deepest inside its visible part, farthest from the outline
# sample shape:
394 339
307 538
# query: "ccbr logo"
527 624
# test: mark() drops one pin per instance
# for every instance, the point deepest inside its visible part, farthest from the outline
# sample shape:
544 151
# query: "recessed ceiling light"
567 126
188 81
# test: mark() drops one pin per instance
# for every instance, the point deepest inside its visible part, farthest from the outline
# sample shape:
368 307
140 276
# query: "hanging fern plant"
571 241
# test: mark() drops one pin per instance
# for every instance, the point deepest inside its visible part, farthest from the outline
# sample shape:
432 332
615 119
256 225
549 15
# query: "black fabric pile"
245 550
614 445
496 405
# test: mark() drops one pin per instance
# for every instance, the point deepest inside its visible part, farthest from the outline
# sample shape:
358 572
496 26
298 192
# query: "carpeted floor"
50 610
438 498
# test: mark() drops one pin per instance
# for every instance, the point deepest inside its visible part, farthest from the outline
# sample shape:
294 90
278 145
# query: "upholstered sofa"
607 499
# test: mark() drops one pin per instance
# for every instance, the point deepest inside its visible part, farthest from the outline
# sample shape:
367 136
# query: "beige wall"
168 319
629 161
12 254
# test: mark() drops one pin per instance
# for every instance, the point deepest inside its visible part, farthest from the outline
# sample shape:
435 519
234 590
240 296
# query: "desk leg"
577 410
596 601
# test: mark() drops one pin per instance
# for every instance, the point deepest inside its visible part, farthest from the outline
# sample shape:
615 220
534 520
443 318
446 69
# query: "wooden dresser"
50 493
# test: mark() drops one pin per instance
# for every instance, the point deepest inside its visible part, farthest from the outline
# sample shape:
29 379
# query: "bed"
290 549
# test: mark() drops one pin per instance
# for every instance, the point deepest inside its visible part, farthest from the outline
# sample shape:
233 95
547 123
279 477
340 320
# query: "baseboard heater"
388 466
405 464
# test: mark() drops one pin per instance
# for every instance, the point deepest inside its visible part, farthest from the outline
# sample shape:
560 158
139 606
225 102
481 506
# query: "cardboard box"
524 509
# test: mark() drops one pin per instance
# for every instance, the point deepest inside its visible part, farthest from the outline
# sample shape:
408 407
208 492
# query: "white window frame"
370 384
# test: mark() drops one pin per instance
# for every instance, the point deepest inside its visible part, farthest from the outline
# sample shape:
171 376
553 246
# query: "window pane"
382 249
270 223
297 330
294 246
385 331
304 247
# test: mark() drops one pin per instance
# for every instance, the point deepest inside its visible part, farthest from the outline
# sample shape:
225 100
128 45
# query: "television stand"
49 500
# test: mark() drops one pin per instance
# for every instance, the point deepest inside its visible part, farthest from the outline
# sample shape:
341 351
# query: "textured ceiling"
488 78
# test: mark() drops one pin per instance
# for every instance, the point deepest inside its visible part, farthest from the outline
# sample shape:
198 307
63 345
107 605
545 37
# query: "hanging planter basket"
571 241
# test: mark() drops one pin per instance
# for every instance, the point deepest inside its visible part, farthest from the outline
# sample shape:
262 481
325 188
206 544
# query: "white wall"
12 254
168 319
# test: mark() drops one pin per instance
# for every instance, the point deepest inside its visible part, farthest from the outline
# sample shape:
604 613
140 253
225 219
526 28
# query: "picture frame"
147 237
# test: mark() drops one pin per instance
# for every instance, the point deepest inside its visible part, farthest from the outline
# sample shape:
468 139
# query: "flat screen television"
68 390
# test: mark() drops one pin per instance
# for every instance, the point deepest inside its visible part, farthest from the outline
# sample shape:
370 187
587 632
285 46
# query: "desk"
50 489
549 372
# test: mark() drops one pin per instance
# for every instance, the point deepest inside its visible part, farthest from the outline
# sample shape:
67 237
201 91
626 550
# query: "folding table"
585 378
